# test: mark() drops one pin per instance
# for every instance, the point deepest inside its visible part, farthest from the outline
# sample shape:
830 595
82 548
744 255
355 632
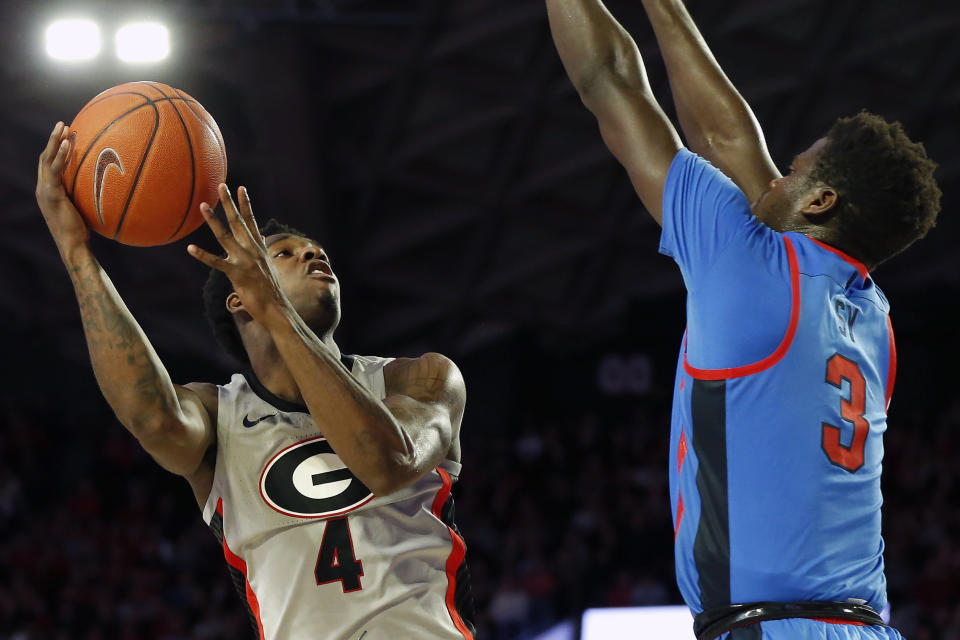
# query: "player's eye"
281 253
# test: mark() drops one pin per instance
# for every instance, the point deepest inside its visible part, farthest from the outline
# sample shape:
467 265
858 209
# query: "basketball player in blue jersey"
788 360
326 478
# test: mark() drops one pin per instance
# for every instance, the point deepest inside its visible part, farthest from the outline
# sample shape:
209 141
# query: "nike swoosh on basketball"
107 158
248 423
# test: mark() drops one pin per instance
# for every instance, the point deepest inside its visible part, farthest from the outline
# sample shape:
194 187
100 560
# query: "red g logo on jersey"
309 480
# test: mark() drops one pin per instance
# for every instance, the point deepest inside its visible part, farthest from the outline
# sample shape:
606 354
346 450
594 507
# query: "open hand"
64 221
247 263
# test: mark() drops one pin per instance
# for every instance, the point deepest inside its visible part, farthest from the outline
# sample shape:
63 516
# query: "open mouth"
320 269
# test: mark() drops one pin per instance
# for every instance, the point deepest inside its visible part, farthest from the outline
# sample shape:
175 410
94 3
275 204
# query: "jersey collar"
856 264
284 405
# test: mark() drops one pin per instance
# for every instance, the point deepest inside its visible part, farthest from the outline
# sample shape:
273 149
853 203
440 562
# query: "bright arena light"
73 39
143 42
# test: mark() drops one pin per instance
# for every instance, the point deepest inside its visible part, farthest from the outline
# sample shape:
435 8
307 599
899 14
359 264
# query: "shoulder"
694 181
432 374
703 211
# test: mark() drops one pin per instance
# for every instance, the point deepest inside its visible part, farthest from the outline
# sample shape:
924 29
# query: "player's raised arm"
169 421
716 121
605 66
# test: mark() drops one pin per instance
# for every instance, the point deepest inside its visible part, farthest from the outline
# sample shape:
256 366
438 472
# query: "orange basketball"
145 156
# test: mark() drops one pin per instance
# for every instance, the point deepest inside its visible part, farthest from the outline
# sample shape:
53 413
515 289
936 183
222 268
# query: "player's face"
779 206
306 277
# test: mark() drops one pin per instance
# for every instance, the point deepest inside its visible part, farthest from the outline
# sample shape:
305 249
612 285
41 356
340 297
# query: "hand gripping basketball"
62 218
247 262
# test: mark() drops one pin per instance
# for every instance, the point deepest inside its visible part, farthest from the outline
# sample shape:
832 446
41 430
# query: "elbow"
398 472
167 443
148 427
151 422
617 71
602 70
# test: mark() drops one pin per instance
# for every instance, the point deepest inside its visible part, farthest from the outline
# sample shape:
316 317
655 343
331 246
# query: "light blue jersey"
779 409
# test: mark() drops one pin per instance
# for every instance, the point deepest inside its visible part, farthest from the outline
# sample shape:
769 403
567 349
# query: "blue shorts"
804 629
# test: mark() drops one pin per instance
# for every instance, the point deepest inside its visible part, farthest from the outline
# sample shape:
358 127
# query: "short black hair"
215 292
887 195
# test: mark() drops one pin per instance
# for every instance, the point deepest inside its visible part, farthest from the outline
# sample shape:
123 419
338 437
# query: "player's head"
305 275
865 188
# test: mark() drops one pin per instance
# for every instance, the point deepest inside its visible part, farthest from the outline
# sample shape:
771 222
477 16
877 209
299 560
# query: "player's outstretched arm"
387 444
169 421
716 121
605 66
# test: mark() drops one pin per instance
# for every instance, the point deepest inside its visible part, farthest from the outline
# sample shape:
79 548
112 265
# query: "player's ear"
235 307
233 303
820 201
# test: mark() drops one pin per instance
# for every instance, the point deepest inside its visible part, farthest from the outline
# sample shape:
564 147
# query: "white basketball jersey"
313 553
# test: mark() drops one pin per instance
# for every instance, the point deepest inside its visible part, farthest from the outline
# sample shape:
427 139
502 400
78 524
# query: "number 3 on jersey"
336 561
852 410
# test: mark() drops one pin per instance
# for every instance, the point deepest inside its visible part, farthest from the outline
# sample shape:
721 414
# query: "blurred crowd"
562 509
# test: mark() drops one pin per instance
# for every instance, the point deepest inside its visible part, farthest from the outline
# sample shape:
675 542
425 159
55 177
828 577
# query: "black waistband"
711 624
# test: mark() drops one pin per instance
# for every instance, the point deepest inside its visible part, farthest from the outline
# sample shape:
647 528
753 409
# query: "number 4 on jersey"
852 410
336 561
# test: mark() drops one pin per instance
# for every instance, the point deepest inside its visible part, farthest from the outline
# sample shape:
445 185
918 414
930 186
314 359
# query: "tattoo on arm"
128 371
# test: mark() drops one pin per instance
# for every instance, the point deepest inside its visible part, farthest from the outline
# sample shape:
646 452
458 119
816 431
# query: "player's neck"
273 373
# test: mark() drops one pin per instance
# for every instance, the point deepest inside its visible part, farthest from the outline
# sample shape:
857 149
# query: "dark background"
439 152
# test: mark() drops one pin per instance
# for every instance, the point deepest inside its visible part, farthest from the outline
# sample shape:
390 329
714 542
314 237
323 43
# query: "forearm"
711 111
131 376
359 427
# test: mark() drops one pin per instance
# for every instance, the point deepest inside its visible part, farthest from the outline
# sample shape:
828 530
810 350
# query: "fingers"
52 162
223 235
60 160
207 258
246 212
236 222
52 141
242 232
51 148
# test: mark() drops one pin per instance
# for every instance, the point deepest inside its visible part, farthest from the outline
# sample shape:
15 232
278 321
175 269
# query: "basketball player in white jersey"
325 477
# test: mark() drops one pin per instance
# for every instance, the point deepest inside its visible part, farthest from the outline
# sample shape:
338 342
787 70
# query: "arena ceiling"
439 152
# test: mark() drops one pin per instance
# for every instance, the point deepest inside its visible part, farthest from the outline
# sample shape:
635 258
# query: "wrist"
289 329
